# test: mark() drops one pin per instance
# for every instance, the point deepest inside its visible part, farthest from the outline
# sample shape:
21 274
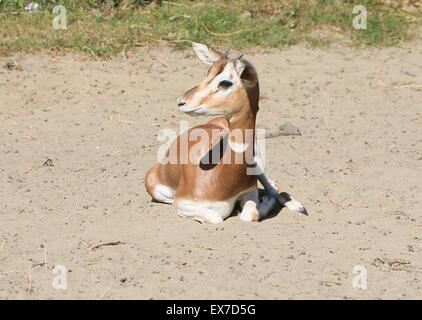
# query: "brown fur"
222 181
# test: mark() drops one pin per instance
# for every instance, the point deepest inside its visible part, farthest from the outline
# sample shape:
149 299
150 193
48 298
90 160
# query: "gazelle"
208 192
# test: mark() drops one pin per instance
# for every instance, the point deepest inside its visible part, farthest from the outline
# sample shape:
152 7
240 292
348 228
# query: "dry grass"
107 30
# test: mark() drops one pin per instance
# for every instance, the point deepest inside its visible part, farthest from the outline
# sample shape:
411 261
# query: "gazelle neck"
243 121
248 107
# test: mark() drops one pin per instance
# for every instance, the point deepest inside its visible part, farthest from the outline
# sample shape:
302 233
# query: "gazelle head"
230 84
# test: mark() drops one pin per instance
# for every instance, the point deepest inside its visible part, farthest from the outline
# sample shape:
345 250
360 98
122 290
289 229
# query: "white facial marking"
196 100
229 74
195 107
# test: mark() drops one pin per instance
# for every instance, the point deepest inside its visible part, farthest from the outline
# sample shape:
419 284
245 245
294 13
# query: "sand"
357 167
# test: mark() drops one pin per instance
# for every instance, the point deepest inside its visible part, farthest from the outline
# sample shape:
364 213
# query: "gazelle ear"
206 54
239 66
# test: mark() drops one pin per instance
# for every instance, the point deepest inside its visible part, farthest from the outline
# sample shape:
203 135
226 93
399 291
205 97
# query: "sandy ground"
357 168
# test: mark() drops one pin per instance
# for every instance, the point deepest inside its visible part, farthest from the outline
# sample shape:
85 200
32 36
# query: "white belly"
207 211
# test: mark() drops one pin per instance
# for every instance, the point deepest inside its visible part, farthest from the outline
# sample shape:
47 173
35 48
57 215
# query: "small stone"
48 163
32 6
289 129
13 65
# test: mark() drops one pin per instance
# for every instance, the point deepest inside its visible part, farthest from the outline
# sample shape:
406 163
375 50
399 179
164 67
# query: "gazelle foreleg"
283 198
273 193
252 208
270 187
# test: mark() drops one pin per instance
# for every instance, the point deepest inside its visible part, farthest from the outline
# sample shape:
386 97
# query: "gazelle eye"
225 84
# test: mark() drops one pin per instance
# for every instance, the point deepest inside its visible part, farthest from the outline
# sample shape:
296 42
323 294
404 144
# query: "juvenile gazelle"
207 190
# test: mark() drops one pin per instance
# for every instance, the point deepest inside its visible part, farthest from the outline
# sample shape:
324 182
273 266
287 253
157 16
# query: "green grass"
112 29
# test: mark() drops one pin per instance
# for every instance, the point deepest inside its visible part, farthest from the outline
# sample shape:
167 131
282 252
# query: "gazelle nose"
181 103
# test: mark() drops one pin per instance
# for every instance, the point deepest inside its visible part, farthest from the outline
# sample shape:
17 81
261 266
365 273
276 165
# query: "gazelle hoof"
295 205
